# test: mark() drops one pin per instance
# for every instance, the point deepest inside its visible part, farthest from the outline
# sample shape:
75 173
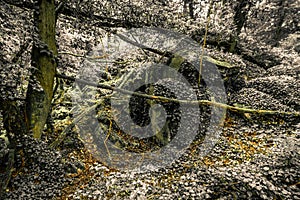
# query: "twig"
82 56
204 42
60 6
95 58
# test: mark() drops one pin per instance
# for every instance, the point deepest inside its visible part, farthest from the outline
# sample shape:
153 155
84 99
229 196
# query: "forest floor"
256 157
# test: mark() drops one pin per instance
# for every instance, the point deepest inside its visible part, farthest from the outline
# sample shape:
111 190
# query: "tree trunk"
40 89
190 5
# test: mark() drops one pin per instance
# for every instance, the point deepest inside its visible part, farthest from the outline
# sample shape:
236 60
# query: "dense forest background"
255 45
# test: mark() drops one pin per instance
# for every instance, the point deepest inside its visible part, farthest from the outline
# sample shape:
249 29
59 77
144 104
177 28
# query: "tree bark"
44 52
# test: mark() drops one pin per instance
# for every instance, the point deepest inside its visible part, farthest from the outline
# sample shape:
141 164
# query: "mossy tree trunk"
44 52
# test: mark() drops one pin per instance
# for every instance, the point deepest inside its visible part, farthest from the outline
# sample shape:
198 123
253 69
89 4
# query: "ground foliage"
256 156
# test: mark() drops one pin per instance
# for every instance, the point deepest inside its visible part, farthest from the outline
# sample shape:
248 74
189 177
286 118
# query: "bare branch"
166 99
98 58
97 20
